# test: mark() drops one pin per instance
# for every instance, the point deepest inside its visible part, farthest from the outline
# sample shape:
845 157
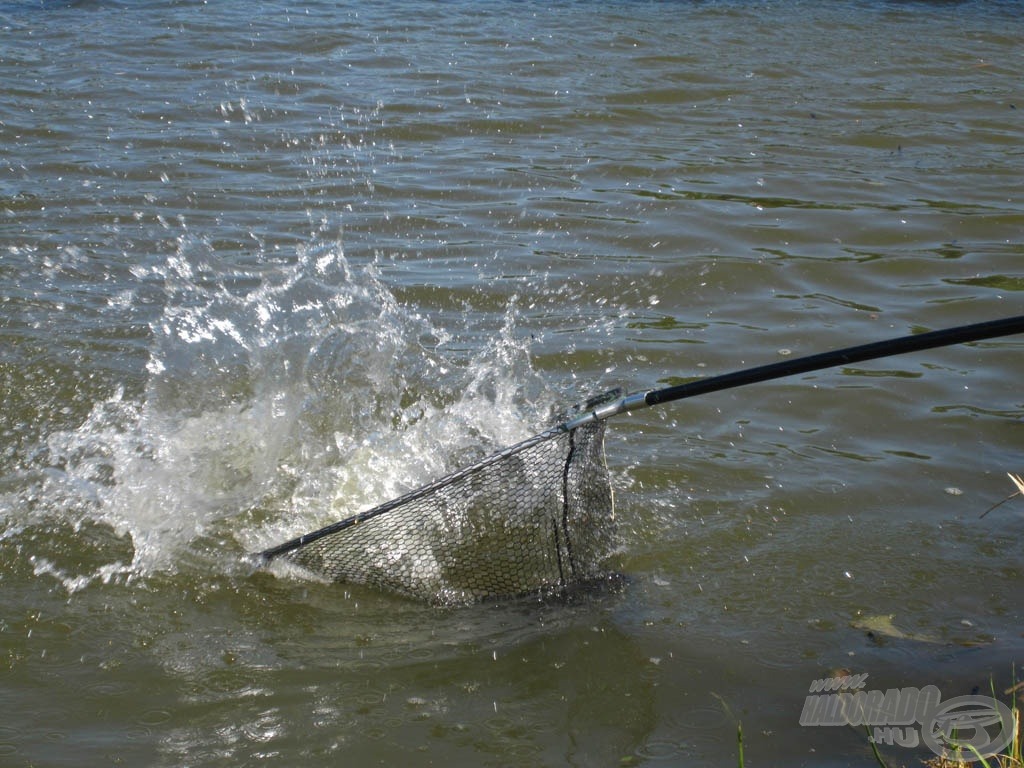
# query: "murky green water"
265 265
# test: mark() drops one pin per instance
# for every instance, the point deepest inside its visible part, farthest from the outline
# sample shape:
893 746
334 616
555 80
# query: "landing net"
534 518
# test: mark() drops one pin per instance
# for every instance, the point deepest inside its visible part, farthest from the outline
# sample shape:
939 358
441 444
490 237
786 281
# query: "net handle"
900 345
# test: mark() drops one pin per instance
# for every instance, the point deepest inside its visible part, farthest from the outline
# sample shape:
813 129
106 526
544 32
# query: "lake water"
264 265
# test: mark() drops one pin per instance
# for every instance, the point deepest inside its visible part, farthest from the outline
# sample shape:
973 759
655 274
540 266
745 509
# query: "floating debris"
876 626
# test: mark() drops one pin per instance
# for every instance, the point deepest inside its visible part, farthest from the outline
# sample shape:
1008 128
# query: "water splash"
279 397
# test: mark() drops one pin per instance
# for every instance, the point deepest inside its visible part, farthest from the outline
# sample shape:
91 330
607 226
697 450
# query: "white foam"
271 410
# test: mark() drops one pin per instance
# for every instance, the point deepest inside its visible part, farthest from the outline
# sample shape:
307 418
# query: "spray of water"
279 398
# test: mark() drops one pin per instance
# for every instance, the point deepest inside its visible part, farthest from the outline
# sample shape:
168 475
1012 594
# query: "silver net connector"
602 409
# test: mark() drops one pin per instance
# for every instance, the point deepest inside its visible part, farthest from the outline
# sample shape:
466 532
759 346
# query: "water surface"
265 265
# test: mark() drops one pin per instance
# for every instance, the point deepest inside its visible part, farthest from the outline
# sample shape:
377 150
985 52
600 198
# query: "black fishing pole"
901 345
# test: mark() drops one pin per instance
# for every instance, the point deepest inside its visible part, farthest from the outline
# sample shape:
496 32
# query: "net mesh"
537 517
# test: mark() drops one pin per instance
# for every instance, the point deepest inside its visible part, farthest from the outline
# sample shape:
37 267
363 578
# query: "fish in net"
535 518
